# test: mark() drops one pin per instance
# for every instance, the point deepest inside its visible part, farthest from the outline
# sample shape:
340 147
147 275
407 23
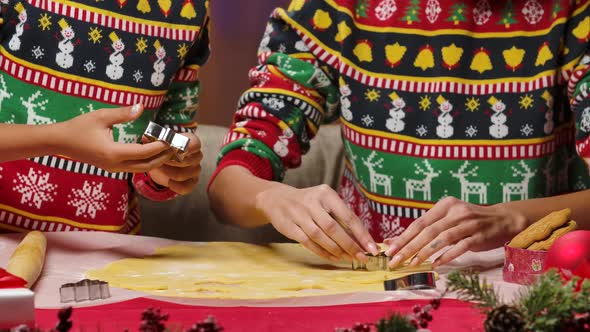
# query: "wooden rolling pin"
28 258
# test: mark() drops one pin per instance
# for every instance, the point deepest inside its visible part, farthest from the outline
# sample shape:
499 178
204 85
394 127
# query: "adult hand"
317 218
181 176
93 142
454 222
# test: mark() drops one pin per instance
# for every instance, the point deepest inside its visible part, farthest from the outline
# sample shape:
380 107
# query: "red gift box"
523 266
19 300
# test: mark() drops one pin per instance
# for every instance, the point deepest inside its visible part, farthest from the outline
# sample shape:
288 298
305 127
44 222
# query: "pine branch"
469 288
549 305
395 323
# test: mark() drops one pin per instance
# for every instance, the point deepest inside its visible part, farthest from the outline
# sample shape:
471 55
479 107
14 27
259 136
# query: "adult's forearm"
233 195
535 209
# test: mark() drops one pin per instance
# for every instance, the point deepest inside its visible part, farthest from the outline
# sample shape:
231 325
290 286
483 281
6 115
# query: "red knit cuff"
147 188
258 166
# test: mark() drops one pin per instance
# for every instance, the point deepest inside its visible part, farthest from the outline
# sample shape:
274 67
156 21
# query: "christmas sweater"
473 99
60 59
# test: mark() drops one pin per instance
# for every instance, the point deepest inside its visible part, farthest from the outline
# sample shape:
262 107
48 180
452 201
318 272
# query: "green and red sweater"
60 59
474 99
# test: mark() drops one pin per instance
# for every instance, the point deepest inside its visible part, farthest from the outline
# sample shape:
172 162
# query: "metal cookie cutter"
84 290
376 262
414 281
155 132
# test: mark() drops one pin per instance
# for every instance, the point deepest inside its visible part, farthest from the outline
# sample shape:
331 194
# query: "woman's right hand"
317 218
88 138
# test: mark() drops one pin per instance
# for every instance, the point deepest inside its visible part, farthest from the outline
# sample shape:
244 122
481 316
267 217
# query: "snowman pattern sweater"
60 59
473 99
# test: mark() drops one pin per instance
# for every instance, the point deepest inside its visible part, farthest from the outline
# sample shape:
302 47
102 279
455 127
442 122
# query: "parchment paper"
71 254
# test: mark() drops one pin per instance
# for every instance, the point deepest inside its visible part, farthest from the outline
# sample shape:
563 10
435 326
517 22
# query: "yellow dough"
241 271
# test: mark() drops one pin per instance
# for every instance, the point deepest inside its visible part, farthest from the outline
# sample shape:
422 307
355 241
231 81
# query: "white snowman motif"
115 69
396 123
345 103
14 43
159 66
585 120
549 123
281 147
265 39
445 119
498 129
64 57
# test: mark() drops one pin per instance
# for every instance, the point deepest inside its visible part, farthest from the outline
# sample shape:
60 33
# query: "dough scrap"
231 270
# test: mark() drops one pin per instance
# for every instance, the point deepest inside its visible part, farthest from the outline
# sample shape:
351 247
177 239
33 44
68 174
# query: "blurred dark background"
237 27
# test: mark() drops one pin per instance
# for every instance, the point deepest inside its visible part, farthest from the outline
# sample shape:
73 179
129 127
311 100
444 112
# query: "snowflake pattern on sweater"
60 59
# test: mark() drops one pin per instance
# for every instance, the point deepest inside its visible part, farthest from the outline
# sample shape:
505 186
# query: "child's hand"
89 139
317 218
452 222
181 176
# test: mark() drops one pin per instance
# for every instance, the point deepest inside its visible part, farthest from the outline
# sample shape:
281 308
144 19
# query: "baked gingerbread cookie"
542 230
546 243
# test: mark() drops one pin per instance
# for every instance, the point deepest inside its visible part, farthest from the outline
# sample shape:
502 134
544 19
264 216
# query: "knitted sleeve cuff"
147 188
257 165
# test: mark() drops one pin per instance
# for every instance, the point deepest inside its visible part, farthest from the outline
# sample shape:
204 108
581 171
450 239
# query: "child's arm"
97 146
290 96
178 112
579 89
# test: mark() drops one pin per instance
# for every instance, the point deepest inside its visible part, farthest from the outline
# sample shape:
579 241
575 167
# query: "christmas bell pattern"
165 6
343 32
481 61
296 5
394 54
364 51
188 10
513 58
582 31
544 55
451 56
321 20
425 58
144 6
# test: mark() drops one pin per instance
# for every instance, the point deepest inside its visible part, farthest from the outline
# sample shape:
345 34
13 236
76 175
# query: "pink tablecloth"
452 316
71 254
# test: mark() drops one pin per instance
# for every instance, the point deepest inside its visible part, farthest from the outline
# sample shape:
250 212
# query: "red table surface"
452 315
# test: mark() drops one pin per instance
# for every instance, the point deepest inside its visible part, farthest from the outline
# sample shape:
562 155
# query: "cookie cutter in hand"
84 290
414 281
155 132
375 263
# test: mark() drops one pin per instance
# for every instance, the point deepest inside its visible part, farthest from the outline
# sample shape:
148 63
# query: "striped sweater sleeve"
291 94
179 110
579 85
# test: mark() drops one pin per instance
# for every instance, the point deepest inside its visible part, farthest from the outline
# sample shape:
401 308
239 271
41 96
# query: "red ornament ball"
571 254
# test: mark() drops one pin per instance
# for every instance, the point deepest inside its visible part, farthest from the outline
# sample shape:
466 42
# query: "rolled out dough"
241 271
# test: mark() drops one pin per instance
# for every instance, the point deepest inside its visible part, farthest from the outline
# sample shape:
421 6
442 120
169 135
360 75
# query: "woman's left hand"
454 222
